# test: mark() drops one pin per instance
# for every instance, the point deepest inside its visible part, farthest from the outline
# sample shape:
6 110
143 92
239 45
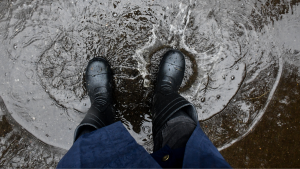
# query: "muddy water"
234 51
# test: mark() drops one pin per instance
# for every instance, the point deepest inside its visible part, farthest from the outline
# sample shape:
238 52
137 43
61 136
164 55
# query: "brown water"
235 53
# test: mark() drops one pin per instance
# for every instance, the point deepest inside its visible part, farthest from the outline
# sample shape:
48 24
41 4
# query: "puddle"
234 53
273 143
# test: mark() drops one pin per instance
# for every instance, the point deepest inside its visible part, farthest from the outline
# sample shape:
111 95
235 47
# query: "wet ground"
242 73
274 142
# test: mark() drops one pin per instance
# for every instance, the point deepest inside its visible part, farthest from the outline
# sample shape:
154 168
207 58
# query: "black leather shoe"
166 100
171 72
98 78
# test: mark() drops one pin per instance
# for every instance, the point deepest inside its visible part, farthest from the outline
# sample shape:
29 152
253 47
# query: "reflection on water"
233 51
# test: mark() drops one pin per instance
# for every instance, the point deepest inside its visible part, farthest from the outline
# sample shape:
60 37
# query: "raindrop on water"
15 46
279 124
236 67
115 14
29 74
232 77
203 99
146 129
218 96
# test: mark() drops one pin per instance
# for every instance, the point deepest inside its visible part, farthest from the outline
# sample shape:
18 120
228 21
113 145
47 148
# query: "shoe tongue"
100 90
167 84
166 90
101 97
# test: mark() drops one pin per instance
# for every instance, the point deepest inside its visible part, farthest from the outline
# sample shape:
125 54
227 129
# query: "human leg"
174 118
98 78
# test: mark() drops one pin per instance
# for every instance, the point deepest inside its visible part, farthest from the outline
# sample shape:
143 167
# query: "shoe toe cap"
97 66
175 57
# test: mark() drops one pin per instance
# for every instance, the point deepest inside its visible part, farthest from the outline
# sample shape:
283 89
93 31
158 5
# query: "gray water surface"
234 50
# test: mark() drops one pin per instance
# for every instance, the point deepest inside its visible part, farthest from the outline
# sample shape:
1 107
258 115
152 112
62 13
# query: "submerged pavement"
272 144
242 73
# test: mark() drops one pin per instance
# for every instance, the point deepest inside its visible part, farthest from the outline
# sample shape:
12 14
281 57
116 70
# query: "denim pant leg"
176 132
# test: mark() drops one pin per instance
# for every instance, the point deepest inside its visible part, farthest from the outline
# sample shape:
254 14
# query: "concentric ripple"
233 66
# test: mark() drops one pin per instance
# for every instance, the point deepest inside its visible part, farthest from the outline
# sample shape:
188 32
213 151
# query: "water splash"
48 44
